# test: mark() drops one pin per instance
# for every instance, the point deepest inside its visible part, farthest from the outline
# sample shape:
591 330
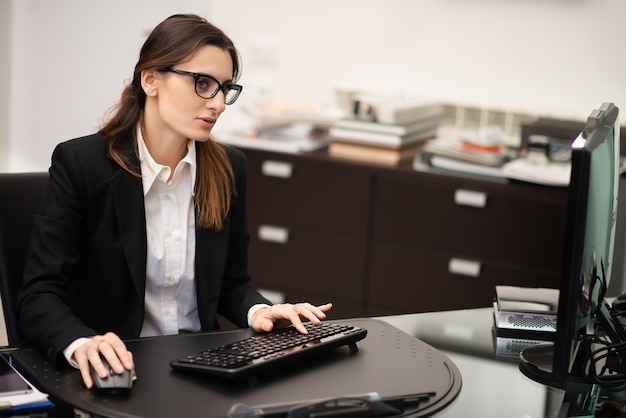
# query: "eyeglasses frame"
223 87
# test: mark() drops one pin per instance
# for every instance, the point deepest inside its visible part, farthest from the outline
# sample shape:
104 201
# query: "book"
421 124
371 153
527 309
380 139
402 112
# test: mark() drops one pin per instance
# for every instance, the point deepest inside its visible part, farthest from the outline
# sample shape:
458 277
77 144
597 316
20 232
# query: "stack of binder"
523 317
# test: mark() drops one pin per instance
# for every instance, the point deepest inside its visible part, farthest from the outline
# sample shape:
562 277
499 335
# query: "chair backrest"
21 196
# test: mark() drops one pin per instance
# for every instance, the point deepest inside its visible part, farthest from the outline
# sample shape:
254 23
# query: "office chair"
21 195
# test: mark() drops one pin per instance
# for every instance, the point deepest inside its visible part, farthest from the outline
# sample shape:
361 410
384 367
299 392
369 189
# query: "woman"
143 230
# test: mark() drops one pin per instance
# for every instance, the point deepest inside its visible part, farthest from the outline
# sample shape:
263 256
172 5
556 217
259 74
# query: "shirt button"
171 280
167 197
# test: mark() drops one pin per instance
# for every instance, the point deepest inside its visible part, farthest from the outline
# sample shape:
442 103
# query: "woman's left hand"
264 318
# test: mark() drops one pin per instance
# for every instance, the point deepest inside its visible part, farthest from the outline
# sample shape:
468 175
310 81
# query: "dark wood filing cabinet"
378 240
442 242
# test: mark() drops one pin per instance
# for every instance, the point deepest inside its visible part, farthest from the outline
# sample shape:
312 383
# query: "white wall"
5 34
70 58
554 57
69 62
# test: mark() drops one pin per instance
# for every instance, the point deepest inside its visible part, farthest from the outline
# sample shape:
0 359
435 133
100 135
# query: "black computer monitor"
588 251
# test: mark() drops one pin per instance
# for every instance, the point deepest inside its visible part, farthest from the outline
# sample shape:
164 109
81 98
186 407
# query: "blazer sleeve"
78 279
44 313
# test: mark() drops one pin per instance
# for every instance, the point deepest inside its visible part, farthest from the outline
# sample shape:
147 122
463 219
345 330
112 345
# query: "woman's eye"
204 84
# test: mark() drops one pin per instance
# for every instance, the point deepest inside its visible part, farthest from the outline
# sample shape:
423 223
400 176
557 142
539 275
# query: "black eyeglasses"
207 87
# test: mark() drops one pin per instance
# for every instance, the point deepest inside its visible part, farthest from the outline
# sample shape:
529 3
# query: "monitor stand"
536 363
580 397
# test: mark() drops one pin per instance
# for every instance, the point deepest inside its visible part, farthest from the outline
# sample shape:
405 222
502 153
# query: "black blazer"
86 272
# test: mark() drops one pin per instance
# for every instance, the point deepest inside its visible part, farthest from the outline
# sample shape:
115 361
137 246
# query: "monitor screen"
588 252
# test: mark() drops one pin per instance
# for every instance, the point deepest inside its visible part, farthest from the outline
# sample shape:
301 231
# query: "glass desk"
491 387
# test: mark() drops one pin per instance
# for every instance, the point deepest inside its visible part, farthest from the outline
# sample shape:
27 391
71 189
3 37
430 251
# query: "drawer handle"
278 169
464 267
274 234
470 198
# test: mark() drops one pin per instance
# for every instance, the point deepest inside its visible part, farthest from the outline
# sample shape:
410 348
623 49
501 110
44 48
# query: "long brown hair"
173 41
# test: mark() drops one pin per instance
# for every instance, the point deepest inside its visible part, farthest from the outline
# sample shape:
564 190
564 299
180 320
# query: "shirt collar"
151 170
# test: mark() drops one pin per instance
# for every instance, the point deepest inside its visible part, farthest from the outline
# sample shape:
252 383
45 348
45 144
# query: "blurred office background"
63 63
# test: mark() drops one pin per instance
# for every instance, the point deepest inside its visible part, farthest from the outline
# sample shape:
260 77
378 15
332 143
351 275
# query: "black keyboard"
261 352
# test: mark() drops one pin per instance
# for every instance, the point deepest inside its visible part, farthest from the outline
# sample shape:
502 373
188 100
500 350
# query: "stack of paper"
290 139
547 173
283 127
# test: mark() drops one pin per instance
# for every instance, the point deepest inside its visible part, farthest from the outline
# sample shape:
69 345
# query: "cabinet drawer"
295 192
309 262
408 280
481 219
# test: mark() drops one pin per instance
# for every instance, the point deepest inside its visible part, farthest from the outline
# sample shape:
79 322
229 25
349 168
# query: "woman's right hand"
109 346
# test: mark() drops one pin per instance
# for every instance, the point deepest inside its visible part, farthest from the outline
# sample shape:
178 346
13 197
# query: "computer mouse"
113 384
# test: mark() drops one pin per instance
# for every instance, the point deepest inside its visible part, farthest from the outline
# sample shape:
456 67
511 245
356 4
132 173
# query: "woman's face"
179 110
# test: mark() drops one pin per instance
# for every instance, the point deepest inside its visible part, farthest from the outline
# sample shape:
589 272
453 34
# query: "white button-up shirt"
170 302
